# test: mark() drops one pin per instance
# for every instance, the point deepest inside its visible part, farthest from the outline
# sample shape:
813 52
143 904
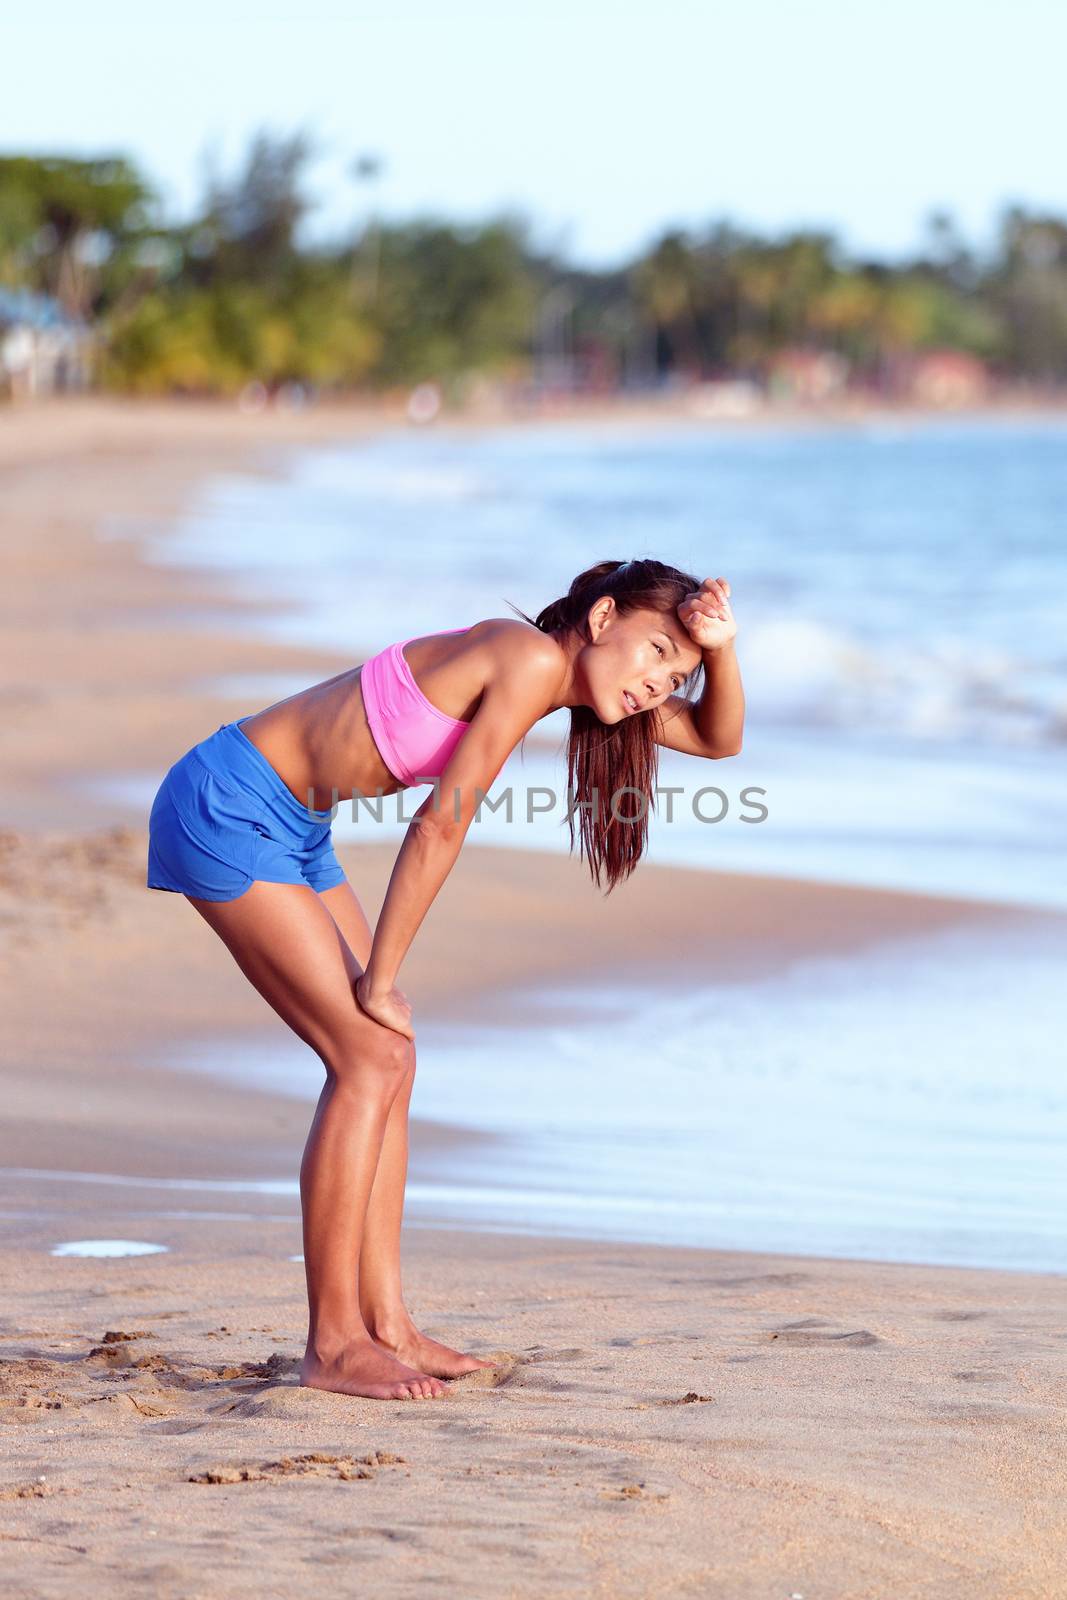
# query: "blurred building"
806 376
43 349
725 397
946 378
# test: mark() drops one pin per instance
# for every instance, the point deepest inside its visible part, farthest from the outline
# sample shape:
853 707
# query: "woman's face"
635 662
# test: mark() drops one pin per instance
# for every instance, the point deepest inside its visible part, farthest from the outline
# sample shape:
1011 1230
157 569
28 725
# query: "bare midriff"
319 741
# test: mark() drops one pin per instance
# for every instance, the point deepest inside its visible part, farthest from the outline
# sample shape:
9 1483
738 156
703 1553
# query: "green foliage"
62 219
450 301
214 341
236 293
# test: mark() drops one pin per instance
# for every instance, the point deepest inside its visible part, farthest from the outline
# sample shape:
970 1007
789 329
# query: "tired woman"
241 827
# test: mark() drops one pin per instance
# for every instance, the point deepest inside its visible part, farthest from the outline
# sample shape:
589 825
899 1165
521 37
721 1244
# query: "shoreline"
661 1419
91 877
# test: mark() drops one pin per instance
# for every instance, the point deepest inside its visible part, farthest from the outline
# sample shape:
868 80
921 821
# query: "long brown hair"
607 761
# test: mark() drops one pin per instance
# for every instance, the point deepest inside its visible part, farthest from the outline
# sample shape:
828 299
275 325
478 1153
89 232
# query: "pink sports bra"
414 739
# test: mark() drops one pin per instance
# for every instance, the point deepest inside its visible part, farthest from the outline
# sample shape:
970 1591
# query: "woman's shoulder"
511 635
514 646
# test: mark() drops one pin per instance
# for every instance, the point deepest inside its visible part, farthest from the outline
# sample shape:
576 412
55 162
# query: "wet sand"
662 1421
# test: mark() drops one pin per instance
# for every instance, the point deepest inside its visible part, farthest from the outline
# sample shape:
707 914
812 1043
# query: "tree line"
233 295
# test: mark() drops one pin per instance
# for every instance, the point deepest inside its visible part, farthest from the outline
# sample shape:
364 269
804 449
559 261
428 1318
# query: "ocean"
899 589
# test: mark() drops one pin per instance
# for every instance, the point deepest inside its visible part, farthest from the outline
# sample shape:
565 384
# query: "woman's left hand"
391 1008
707 614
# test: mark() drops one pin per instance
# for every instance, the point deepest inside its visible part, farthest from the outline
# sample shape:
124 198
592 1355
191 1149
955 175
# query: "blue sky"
600 122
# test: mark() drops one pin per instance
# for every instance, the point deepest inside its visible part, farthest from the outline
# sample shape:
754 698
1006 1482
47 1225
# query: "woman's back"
407 705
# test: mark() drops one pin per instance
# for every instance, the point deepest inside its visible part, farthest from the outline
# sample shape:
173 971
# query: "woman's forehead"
666 622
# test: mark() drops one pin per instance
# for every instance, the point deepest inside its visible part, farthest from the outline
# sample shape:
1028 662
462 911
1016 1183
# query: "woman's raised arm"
714 726
527 669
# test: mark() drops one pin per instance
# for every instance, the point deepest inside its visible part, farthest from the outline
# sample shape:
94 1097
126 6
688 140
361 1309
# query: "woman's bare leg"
287 945
381 1295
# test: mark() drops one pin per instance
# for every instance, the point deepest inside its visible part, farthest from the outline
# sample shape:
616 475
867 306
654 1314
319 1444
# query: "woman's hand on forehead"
708 615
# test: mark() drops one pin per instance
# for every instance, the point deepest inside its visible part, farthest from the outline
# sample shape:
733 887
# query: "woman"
241 826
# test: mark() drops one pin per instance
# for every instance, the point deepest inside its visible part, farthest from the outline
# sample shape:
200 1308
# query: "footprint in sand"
540 1352
995 1411
314 1464
285 1401
130 1404
118 1356
816 1331
35 1489
32 1388
633 1491
753 1280
276 1366
119 1351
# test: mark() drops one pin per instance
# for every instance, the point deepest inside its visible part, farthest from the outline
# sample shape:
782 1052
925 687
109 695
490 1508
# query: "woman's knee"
382 1065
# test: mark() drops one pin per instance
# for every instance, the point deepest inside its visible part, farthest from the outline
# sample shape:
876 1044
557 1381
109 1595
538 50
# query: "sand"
660 1422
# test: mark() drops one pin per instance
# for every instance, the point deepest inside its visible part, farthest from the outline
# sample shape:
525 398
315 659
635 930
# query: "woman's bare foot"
362 1367
424 1353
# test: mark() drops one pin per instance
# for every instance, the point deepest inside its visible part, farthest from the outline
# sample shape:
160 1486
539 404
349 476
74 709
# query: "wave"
802 673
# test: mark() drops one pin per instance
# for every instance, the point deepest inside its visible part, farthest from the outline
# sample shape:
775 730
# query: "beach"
662 1420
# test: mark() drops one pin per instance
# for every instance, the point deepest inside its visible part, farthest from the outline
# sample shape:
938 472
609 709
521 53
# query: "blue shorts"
222 818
